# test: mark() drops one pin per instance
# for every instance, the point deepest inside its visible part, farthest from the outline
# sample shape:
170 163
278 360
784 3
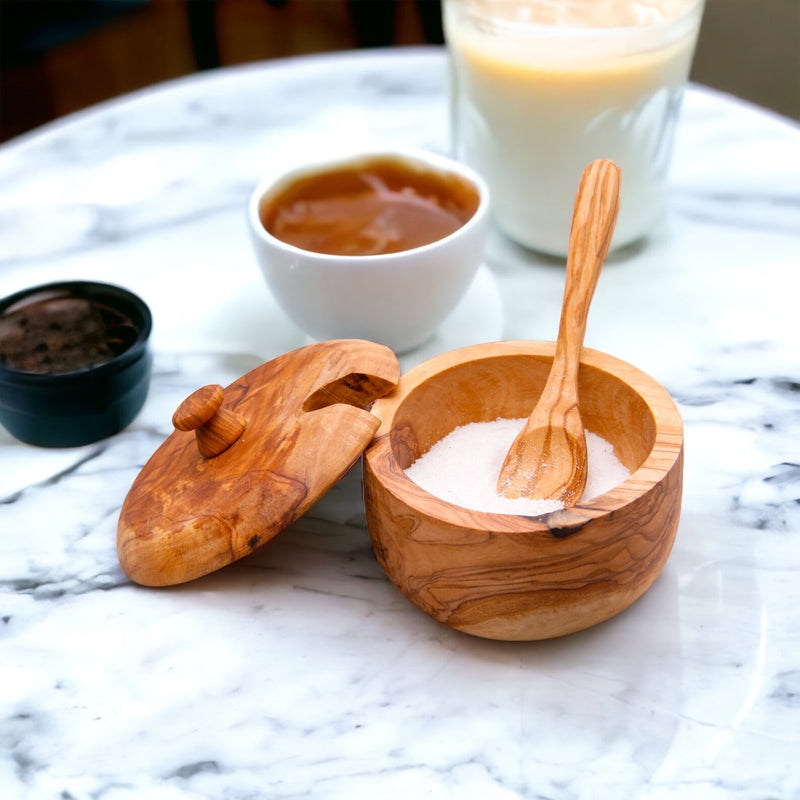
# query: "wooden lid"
248 460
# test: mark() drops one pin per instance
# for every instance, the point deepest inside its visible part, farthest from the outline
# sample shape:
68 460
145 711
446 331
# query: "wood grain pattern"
307 422
548 459
511 577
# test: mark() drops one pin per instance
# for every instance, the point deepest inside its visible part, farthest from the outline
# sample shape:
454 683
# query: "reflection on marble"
301 672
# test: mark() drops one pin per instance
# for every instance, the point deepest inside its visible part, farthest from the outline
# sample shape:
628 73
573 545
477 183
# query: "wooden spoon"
548 458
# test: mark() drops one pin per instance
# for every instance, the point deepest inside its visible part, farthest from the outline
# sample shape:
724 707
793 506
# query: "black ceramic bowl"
74 362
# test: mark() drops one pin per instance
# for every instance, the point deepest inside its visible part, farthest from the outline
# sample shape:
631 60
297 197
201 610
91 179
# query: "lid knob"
215 428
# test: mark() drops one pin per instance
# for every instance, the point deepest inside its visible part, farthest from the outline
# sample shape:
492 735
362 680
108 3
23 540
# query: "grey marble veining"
301 672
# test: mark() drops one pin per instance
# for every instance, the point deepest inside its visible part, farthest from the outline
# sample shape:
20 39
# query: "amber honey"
377 206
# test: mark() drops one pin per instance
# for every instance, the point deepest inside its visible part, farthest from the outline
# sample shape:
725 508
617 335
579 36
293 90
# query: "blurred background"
58 56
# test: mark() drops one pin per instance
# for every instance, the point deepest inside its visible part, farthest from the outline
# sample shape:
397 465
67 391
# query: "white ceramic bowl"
396 299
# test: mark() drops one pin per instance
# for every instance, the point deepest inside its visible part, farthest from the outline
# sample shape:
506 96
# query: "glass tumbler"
540 88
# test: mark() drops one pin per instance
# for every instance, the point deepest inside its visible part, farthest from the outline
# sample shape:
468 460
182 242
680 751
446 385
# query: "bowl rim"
109 293
665 455
437 162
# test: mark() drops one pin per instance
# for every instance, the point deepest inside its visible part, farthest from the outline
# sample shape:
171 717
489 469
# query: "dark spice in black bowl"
74 362
57 334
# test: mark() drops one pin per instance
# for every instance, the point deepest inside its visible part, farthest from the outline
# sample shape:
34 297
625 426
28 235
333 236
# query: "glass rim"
490 23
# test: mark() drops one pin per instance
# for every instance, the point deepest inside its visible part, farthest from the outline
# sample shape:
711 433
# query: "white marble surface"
301 672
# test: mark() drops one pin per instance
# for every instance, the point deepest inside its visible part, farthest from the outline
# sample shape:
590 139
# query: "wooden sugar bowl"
502 576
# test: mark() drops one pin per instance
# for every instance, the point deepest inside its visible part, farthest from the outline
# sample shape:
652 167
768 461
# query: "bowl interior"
508 386
100 328
331 209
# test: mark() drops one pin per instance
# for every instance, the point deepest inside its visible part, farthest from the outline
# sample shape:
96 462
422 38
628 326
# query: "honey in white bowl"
378 245
378 206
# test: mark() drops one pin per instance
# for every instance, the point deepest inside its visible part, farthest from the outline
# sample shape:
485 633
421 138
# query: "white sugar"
463 468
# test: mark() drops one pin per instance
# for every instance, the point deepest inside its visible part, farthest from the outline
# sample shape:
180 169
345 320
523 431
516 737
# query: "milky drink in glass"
543 87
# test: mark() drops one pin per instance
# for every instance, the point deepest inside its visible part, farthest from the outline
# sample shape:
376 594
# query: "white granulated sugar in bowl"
463 468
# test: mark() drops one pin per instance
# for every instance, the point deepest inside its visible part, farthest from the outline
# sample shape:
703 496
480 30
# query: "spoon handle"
594 218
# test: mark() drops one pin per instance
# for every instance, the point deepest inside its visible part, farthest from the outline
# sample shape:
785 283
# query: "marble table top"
301 672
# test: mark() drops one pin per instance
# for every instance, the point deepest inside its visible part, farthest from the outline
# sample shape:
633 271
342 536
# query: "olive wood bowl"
510 577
